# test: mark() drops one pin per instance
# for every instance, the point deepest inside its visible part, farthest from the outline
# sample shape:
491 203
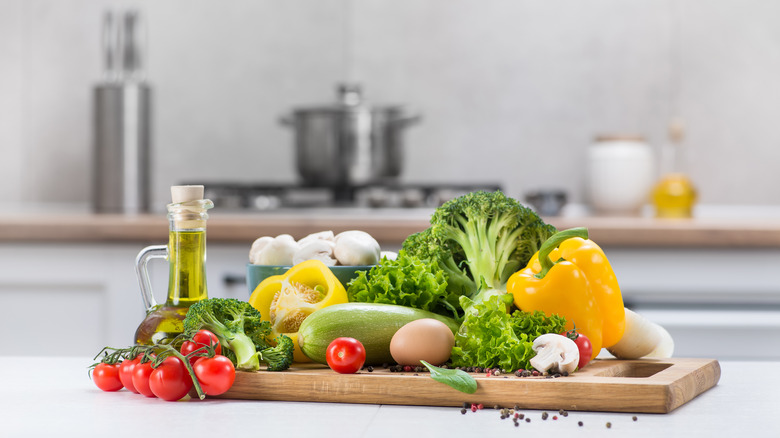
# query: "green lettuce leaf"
491 338
405 281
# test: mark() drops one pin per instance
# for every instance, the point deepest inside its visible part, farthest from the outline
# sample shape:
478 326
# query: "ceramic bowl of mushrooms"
345 253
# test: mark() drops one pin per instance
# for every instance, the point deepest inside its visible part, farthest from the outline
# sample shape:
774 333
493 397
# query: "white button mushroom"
315 249
279 251
555 353
322 235
356 248
257 246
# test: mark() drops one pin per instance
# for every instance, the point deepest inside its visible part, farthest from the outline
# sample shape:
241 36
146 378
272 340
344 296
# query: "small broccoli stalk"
280 357
237 325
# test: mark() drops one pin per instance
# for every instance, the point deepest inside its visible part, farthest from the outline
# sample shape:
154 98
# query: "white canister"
620 174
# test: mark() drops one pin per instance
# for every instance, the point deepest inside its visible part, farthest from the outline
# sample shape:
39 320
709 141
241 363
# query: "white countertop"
52 396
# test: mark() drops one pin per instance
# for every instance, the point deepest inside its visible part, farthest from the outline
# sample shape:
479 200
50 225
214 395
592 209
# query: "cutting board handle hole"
634 369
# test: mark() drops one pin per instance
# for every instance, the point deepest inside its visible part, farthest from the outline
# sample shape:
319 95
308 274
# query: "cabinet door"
70 299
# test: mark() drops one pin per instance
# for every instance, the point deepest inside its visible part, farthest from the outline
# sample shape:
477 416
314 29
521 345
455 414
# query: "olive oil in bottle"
186 255
674 195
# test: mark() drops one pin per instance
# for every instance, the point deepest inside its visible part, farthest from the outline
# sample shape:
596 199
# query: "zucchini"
372 324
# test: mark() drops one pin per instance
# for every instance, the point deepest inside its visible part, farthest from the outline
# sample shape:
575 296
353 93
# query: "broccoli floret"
489 236
237 325
280 357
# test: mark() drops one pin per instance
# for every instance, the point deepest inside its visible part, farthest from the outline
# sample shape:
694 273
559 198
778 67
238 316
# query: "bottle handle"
141 271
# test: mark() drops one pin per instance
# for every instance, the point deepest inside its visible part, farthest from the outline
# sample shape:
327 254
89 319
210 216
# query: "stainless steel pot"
349 143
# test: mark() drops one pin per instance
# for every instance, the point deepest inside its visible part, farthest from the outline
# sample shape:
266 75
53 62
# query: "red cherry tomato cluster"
170 379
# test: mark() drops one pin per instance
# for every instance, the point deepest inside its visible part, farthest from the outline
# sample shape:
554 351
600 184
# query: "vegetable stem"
552 243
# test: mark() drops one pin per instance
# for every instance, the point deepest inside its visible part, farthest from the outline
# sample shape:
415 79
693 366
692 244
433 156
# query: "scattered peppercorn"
473 408
522 416
466 405
535 373
480 406
528 420
634 418
408 369
544 415
579 423
463 411
370 369
555 417
609 425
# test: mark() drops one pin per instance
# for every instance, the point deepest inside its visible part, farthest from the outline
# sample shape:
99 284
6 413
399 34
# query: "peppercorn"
528 420
634 418
579 423
609 425
370 369
555 417
544 415
463 411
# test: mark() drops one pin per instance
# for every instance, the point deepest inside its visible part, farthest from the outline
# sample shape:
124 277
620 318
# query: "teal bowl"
255 274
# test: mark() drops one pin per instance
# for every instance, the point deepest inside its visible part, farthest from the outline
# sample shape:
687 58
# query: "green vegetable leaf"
457 379
406 281
489 337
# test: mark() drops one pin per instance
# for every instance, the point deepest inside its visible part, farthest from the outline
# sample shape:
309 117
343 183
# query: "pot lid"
349 98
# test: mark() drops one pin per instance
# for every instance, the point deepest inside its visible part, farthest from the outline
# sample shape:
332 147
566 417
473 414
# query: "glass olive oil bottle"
674 195
186 254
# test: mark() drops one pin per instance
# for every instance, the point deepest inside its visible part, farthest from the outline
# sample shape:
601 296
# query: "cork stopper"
180 194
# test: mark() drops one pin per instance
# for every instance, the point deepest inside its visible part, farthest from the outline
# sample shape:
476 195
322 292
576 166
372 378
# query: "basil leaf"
457 379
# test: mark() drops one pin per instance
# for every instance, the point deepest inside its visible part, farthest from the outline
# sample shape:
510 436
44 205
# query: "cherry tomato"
583 345
141 373
106 377
215 374
345 355
170 381
200 339
126 373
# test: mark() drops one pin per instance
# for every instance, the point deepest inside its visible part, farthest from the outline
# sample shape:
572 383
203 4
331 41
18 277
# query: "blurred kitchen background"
509 91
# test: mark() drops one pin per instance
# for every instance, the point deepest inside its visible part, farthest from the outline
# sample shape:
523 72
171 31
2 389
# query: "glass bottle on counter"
186 255
674 195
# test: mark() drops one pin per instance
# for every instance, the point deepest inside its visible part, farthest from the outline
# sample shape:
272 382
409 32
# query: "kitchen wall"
510 91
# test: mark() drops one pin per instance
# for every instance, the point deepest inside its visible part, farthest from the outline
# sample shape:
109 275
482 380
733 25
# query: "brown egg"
424 339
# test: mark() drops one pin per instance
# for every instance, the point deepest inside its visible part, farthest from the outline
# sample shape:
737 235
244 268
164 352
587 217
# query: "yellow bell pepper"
286 300
571 276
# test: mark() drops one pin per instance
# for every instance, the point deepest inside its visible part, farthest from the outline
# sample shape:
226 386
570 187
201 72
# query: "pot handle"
408 120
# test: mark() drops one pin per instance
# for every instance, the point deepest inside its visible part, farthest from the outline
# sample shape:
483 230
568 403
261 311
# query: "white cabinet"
722 303
74 299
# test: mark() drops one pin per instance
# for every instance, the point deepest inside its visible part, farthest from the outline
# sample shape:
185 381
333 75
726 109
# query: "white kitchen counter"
52 396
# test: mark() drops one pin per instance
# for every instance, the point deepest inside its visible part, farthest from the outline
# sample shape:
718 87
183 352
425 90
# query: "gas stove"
267 197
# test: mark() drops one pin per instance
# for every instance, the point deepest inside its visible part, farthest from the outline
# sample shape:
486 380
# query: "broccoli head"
280 357
489 236
239 328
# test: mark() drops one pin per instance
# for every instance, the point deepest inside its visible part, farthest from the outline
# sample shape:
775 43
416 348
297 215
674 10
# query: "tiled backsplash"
510 91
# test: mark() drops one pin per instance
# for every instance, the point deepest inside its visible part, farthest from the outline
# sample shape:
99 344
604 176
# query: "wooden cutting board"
651 386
